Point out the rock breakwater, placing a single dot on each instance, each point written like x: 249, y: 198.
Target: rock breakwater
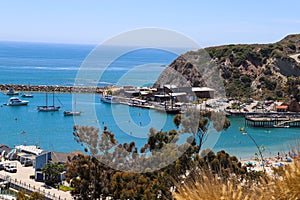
x: 55, y: 88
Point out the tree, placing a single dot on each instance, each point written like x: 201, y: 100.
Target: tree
x: 161, y: 159
x: 86, y: 171
x: 89, y: 136
x: 36, y: 196
x: 52, y: 173
x: 89, y: 177
x: 21, y: 195
x: 198, y: 126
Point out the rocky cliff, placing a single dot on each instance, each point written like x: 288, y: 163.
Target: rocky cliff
x: 268, y: 71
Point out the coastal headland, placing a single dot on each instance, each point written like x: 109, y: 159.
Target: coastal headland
x: 55, y: 88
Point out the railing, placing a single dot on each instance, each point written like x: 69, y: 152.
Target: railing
x: 7, y: 195
x: 19, y: 185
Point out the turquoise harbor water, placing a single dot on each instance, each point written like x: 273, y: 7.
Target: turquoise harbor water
x: 57, y: 64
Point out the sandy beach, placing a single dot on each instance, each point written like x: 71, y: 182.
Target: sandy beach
x: 270, y: 163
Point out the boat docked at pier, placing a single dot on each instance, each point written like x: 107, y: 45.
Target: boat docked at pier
x: 15, y: 101
x: 107, y: 99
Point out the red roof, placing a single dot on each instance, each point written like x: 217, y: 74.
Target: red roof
x: 282, y: 107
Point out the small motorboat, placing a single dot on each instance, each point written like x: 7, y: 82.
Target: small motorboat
x: 27, y: 95
x: 72, y: 113
x: 15, y: 101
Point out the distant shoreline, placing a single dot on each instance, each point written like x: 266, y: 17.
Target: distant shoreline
x: 54, y: 88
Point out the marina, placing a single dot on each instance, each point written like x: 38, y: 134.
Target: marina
x: 129, y: 122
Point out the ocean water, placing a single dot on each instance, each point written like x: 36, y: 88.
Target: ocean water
x: 58, y: 64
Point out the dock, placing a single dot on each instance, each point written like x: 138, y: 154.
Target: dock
x: 134, y: 102
x: 269, y: 121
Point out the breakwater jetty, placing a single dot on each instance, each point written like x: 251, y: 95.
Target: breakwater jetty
x: 55, y: 88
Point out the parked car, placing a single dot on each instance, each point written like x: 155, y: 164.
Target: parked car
x: 10, y: 168
x: 28, y: 163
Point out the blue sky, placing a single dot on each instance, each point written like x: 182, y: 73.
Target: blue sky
x: 209, y: 23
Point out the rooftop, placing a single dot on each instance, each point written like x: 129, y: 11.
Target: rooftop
x: 30, y: 149
x: 202, y: 89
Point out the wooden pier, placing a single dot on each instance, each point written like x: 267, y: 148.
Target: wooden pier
x: 273, y: 121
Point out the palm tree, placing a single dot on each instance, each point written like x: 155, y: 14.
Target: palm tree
x: 52, y: 172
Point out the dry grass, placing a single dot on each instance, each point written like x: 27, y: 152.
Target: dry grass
x: 209, y: 187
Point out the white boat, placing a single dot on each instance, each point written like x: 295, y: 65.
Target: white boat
x: 15, y: 101
x: 73, y: 112
x: 48, y: 108
x: 27, y: 95
x: 11, y: 92
x: 107, y: 99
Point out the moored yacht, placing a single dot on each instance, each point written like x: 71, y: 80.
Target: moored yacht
x: 107, y: 99
x: 15, y: 101
x: 48, y: 108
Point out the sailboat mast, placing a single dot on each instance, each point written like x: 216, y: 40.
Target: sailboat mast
x: 46, y: 99
x: 74, y: 103
x: 53, y: 99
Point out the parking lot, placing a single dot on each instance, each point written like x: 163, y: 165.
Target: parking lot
x: 22, y: 178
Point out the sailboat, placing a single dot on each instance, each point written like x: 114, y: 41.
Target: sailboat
x: 73, y: 112
x: 48, y: 108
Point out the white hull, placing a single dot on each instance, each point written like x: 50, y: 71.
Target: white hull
x: 27, y: 95
x: 48, y: 108
x: 72, y: 113
x: 107, y: 99
x: 18, y: 104
x: 15, y: 101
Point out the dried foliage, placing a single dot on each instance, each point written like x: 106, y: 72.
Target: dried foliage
x: 211, y: 187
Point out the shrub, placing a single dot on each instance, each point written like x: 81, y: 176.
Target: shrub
x: 266, y: 52
x: 270, y: 85
x: 291, y: 46
x: 279, y: 93
x: 267, y: 71
x: 246, y: 79
x: 261, y: 79
x: 226, y: 74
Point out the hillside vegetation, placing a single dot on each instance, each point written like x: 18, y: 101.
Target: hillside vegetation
x: 261, y: 71
x: 285, y: 184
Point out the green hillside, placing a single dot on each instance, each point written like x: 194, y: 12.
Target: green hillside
x: 260, y: 71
